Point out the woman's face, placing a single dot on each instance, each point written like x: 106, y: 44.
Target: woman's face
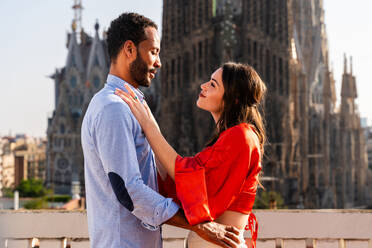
x: 210, y: 97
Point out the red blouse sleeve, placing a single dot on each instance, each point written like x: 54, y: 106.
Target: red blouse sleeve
x: 167, y: 188
x: 208, y: 183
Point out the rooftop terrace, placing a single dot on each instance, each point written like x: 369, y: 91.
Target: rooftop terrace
x: 277, y: 229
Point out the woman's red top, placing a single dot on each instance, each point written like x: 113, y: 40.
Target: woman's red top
x: 222, y: 177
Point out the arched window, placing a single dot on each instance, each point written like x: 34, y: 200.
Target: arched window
x: 73, y: 81
x: 57, y: 177
x: 96, y: 81
x: 62, y: 128
x: 67, y: 178
x: 62, y: 164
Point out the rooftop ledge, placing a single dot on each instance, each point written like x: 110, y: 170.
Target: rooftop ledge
x: 289, y: 228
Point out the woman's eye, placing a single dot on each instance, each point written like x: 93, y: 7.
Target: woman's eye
x: 212, y: 84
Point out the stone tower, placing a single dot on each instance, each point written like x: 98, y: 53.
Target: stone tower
x: 83, y: 75
x: 351, y: 178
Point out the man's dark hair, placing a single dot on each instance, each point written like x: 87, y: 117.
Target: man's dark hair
x: 128, y: 26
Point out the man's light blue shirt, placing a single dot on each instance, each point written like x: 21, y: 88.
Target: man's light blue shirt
x: 123, y: 207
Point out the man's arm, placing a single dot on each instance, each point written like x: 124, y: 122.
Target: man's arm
x: 224, y: 236
x: 114, y: 139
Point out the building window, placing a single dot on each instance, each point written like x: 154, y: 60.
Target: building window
x: 96, y: 81
x: 267, y: 21
x: 200, y: 50
x: 200, y: 13
x: 274, y: 73
x: 173, y: 67
x: 67, y: 178
x: 73, y: 61
x: 207, y: 12
x: 58, y: 177
x: 255, y: 51
x: 268, y: 66
x: 73, y: 81
x: 62, y: 163
x: 179, y: 72
x: 200, y: 70
x: 186, y: 69
x: 248, y: 49
x: 281, y: 86
x: 62, y: 129
x: 206, y: 55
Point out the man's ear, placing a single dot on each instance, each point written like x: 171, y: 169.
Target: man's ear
x: 129, y: 49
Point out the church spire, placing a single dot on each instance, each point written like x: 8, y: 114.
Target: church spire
x: 345, y: 64
x: 351, y: 65
x: 76, y: 22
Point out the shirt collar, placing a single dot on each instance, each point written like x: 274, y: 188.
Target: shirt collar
x: 117, y: 82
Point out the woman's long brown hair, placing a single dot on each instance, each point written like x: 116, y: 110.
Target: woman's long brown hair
x: 244, y: 91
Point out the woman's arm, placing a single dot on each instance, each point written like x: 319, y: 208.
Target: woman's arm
x: 163, y: 151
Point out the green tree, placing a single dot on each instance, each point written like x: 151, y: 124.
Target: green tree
x: 267, y: 198
x: 37, y: 203
x: 31, y: 188
x: 8, y: 192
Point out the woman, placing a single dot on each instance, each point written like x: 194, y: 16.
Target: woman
x: 219, y: 183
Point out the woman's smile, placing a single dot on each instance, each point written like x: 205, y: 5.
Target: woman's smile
x: 201, y: 95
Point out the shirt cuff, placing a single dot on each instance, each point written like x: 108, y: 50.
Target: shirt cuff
x: 162, y: 214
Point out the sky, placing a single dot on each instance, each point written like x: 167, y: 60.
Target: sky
x: 33, y: 44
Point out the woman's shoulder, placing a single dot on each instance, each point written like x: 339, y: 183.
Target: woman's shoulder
x: 242, y: 130
x: 242, y: 133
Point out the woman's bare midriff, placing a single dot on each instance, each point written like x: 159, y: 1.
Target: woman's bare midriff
x: 233, y: 218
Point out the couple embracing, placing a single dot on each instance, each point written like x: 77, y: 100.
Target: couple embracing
x: 135, y: 181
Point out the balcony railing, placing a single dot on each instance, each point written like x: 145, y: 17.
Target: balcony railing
x: 277, y: 229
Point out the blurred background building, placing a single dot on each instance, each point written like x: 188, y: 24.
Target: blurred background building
x: 21, y: 158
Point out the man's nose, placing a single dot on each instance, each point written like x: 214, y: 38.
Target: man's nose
x: 157, y: 63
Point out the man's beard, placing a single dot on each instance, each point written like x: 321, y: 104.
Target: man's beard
x: 139, y: 71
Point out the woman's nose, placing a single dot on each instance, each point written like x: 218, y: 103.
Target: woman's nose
x: 202, y: 86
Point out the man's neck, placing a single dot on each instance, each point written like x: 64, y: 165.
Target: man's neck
x: 123, y: 74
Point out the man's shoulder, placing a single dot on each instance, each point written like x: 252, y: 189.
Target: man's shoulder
x: 106, y: 101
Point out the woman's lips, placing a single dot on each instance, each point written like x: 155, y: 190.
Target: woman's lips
x: 201, y: 95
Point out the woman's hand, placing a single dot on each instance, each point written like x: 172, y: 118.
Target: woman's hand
x: 140, y: 110
x: 163, y: 151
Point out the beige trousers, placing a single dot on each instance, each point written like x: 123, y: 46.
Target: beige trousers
x: 194, y: 241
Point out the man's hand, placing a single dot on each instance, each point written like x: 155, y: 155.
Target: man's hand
x: 224, y: 236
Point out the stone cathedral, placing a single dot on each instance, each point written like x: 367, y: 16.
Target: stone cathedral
x: 316, y: 154
x: 84, y: 74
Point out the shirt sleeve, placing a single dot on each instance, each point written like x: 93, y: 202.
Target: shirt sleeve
x: 208, y: 183
x: 114, y: 138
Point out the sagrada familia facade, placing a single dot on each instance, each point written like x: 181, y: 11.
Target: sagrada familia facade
x: 315, y: 155
x: 84, y: 74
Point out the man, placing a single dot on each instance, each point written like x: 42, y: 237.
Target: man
x: 123, y: 206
